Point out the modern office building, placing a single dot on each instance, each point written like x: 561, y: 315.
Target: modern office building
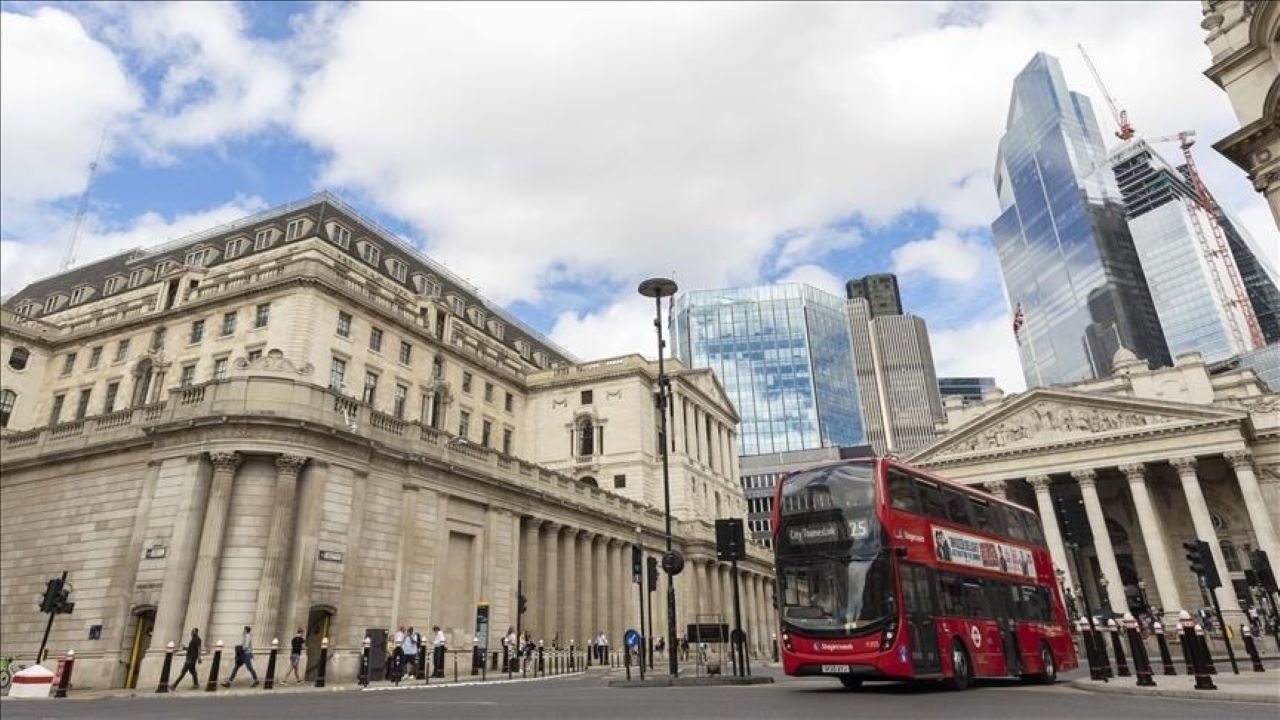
x: 1070, y: 269
x: 897, y: 383
x: 783, y: 354
x: 969, y: 388
x: 297, y: 420
x: 880, y: 290
x: 1196, y: 299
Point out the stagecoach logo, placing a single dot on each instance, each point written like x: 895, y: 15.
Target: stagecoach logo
x: 909, y: 536
x: 827, y: 532
x: 976, y: 636
x: 833, y: 647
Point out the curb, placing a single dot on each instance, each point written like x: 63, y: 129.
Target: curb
x: 1177, y: 693
x: 692, y: 682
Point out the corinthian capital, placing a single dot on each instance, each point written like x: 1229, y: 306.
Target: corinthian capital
x: 289, y: 464
x: 1239, y: 459
x: 1087, y: 478
x: 1135, y: 472
x: 1184, y: 465
x: 225, y: 461
x: 1040, y: 483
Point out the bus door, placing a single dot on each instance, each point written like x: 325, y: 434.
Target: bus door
x: 1006, y: 611
x: 921, y: 606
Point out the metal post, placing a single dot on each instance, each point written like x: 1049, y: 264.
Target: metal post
x: 212, y: 685
x: 1103, y: 664
x: 166, y: 668
x: 269, y: 682
x: 1122, y: 665
x: 362, y: 677
x: 1141, y: 661
x: 1166, y: 659
x: 324, y: 662
x: 64, y: 680
x: 1200, y: 654
x: 1251, y: 647
x: 49, y: 625
x: 1226, y: 636
x: 738, y: 648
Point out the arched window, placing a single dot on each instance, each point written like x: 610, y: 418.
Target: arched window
x: 18, y: 358
x: 588, y: 480
x: 7, y: 400
x: 586, y: 438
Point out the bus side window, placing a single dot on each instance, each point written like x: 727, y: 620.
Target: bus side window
x: 975, y: 598
x: 1035, y: 529
x: 902, y: 493
x: 931, y: 500
x: 957, y: 507
x: 950, y: 596
x: 1013, y: 522
x: 981, y: 513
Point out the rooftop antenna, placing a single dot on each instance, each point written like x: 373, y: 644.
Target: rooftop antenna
x: 70, y: 257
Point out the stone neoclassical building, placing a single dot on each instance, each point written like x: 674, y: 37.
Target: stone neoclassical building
x: 1157, y: 456
x: 297, y: 420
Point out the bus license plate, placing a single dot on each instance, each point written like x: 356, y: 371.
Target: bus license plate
x: 839, y: 669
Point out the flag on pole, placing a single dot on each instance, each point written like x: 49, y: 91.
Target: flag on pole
x: 1017, y: 321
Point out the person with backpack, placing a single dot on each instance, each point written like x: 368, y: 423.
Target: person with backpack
x: 189, y: 665
x: 244, y: 659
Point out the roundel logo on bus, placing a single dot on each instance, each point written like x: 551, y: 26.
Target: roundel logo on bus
x: 976, y: 636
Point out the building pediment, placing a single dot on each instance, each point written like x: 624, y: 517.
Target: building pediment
x: 1044, y: 417
x: 708, y: 384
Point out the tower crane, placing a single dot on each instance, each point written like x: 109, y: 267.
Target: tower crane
x: 1121, y: 116
x: 70, y: 257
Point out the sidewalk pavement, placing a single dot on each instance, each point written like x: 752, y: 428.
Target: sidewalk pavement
x: 1248, y: 686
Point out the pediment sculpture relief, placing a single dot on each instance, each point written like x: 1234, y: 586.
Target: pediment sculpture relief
x: 1046, y: 422
x: 1257, y: 404
x: 273, y: 363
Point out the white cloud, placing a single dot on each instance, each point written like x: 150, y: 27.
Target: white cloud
x: 59, y: 90
x: 39, y: 241
x: 816, y: 276
x: 622, y: 327
x: 945, y: 256
x: 981, y: 348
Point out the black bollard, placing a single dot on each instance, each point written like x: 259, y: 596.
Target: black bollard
x: 1202, y: 639
x: 1166, y: 659
x: 1200, y: 655
x: 455, y: 666
x: 1122, y: 665
x: 626, y: 660
x: 1090, y: 653
x: 165, y: 669
x: 269, y: 682
x: 1251, y: 647
x: 1186, y: 637
x: 1138, y: 649
x: 506, y: 660
x: 64, y: 680
x: 1100, y: 647
x: 212, y: 685
x: 542, y: 668
x: 324, y: 662
x: 362, y: 677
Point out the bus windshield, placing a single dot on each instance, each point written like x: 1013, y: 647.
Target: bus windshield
x: 835, y: 578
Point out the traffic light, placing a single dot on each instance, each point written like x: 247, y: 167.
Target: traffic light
x: 1262, y: 568
x: 653, y: 573
x: 522, y: 603
x: 1202, y: 565
x: 637, y: 564
x: 53, y: 596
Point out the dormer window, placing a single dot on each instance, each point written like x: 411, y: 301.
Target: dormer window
x: 369, y: 252
x: 398, y: 269
x: 340, y: 236
x: 264, y: 239
x: 112, y: 285
x: 198, y: 258
x: 523, y: 348
x: 457, y: 304
x: 294, y: 229
x: 497, y: 328
x: 164, y: 266
x: 26, y: 309
x: 80, y: 294
x: 51, y: 303
x: 476, y: 316
x: 539, y: 358
x: 137, y: 277
x: 426, y: 285
x: 236, y: 247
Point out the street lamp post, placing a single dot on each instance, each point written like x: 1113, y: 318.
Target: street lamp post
x: 658, y: 288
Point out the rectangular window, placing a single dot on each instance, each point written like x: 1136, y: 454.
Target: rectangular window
x: 158, y: 337
x: 441, y: 319
x: 219, y: 368
x: 464, y: 423
x: 466, y: 382
x: 586, y: 397
x: 77, y: 295
x: 109, y: 402
x: 95, y: 357
x: 68, y: 363
x: 122, y: 351
x: 486, y: 431
x: 402, y: 394
x: 341, y: 237
x: 82, y: 404
x: 619, y: 482
x: 375, y: 339
x: 509, y: 403
x: 261, y: 315
x: 337, y: 373
x: 344, y: 324
x: 902, y: 493
x: 228, y: 323
x: 293, y: 230
x: 370, y: 387
x: 113, y: 284
x: 56, y: 411
x: 488, y: 392
x: 235, y: 247
x: 137, y: 277
x: 188, y: 377
x: 931, y: 499
x: 197, y: 331
x: 262, y: 239
x: 506, y: 441
x: 255, y: 354
x: 196, y: 258
x: 406, y: 352
x: 399, y: 270
x: 957, y: 506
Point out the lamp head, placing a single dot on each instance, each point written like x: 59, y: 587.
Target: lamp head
x: 658, y: 287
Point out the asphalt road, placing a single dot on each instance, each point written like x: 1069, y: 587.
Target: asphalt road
x: 589, y: 697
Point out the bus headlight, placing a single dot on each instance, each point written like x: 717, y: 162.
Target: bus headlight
x: 786, y: 641
x: 890, y: 632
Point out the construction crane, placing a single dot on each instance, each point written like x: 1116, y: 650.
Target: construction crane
x: 70, y: 257
x: 1218, y: 249
x: 1121, y: 116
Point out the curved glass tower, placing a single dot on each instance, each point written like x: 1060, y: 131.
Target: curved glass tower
x: 1065, y: 251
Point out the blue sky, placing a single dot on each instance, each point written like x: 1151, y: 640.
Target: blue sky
x: 557, y: 154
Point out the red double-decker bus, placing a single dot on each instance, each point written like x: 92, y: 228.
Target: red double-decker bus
x: 886, y: 572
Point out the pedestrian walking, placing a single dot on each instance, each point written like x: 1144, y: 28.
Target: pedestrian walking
x: 409, y: 649
x: 192, y: 659
x: 244, y: 659
x: 511, y: 643
x: 659, y: 647
x: 395, y: 669
x: 438, y: 643
x: 295, y: 655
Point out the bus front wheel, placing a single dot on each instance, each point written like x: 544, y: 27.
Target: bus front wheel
x: 850, y: 682
x: 961, y: 671
x: 1050, y: 674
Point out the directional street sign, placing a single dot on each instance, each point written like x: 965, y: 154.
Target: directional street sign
x: 631, y: 638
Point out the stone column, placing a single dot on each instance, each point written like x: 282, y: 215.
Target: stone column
x: 1049, y: 521
x: 200, y: 602
x: 551, y: 581
x: 1153, y: 538
x: 586, y: 591
x: 600, y: 579
x: 1256, y: 505
x: 1088, y: 480
x: 1203, y: 522
x: 183, y: 546
x: 999, y: 488
x: 569, y: 606
x: 620, y: 586
x: 279, y: 544
x: 532, y: 583
x: 749, y: 611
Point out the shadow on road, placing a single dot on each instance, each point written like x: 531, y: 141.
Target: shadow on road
x: 900, y: 688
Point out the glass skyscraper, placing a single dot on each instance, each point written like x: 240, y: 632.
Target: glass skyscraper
x: 784, y: 356
x: 1068, y: 261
